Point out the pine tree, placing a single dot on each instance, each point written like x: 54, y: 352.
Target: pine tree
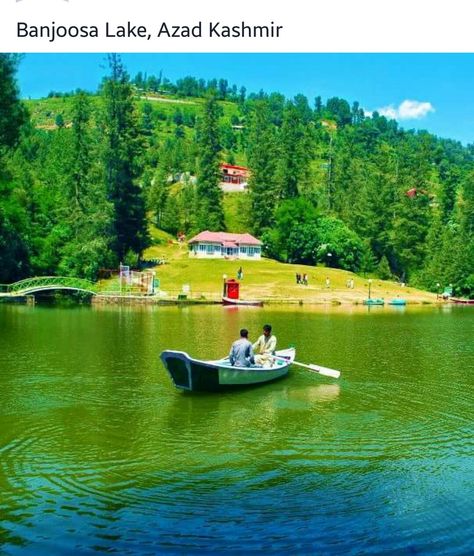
x: 13, y: 113
x: 295, y: 153
x: 408, y: 236
x: 187, y: 202
x: 121, y: 157
x: 262, y: 156
x: 463, y: 271
x: 88, y: 214
x: 81, y: 147
x: 160, y: 184
x: 383, y: 269
x: 13, y: 218
x: 210, y: 214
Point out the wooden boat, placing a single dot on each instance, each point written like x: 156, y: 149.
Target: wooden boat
x: 374, y: 301
x: 462, y: 301
x: 210, y: 376
x: 242, y: 302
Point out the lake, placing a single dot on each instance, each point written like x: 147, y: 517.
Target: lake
x: 100, y: 453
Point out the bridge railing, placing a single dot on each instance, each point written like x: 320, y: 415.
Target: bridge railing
x: 49, y: 282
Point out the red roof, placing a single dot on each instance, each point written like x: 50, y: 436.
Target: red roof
x: 225, y: 165
x: 413, y: 192
x: 224, y: 238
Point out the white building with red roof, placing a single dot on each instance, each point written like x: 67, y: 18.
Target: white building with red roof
x: 223, y: 245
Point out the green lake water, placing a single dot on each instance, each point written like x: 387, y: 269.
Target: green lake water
x: 100, y: 453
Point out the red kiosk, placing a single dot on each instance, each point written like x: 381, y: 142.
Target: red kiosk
x: 231, y: 294
x: 231, y: 289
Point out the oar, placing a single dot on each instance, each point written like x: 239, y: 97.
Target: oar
x: 314, y: 368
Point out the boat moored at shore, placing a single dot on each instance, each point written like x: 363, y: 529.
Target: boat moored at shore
x: 398, y: 301
x: 462, y: 301
x: 241, y: 302
x: 373, y: 301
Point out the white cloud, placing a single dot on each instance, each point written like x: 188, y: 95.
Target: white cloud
x: 407, y: 110
x: 389, y: 112
x: 414, y: 110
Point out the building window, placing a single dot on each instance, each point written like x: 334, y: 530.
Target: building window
x: 253, y: 251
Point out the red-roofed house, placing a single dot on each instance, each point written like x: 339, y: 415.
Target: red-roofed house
x: 234, y: 178
x: 234, y: 174
x: 413, y: 192
x: 222, y: 245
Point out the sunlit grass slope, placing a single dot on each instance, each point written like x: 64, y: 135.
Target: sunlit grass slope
x: 266, y: 279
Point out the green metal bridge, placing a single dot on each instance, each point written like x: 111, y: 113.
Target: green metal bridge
x: 30, y: 286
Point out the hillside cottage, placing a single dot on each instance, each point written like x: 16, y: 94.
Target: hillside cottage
x: 234, y: 174
x: 222, y: 245
x: 233, y: 178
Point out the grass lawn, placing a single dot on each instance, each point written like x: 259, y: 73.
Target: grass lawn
x: 266, y: 279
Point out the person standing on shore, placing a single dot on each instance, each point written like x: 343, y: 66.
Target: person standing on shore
x: 241, y: 352
x: 265, y: 347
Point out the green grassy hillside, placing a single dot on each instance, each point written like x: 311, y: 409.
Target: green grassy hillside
x: 44, y: 111
x: 266, y: 279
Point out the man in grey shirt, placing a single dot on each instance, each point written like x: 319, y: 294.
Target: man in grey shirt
x: 241, y: 352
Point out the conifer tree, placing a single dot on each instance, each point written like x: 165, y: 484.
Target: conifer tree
x: 463, y: 271
x: 383, y: 269
x: 13, y: 113
x: 295, y: 152
x: 121, y: 156
x: 262, y: 156
x: 408, y: 234
x: 13, y: 218
x: 88, y: 214
x: 210, y: 214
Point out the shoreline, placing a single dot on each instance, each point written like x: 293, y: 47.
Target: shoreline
x: 320, y: 300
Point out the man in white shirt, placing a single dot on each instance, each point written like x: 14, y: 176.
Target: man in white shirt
x: 264, y: 347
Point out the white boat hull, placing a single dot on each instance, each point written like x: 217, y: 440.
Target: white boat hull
x: 208, y: 376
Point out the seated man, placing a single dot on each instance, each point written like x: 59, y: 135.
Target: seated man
x: 241, y: 353
x: 265, y: 347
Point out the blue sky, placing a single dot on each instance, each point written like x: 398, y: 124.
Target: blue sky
x: 422, y: 91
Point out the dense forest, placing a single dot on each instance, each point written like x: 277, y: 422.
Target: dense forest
x: 84, y: 175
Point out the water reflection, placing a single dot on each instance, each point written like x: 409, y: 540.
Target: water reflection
x: 99, y: 452
x: 320, y: 394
